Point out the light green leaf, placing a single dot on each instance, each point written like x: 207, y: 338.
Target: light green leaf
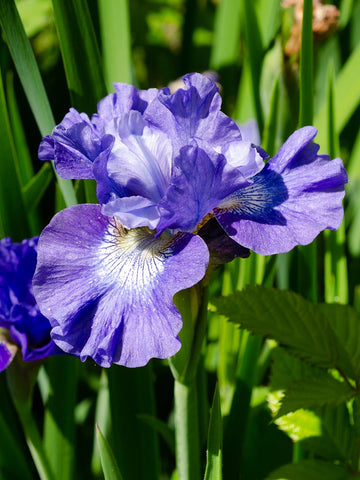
x: 115, y: 41
x: 226, y: 34
x: 347, y: 97
x: 289, y: 319
x: 313, y: 391
x: 108, y: 462
x: 214, y: 447
x: 311, y: 470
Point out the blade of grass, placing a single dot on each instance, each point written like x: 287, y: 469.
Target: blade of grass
x: 12, y: 209
x: 80, y: 53
x: 347, y: 97
x: 31, y: 81
x: 24, y: 166
x: 115, y: 41
x: 214, y: 447
x: 307, y: 256
x: 255, y: 56
x: 226, y: 34
x: 335, y: 262
x: 132, y: 439
x: 108, y: 462
x: 306, y: 67
x: 34, y: 190
x: 59, y: 422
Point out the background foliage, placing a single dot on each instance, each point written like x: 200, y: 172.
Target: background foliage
x: 286, y: 402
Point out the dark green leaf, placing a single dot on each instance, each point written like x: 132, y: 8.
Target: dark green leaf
x: 12, y: 209
x: 31, y: 81
x: 82, y: 64
x: 311, y: 470
x: 214, y: 447
x: 306, y: 66
x: 345, y: 321
x: 289, y: 319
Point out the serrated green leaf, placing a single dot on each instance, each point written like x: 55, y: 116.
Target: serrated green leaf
x: 214, y: 447
x: 291, y: 320
x: 297, y: 425
x: 286, y: 369
x: 110, y: 468
x: 313, y: 391
x: 336, y: 428
x: 345, y: 321
x: 311, y: 470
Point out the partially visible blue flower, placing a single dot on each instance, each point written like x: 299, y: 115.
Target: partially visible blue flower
x: 176, y: 183
x: 21, y: 323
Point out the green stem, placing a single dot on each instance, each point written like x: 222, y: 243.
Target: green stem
x: 192, y: 304
x: 187, y: 431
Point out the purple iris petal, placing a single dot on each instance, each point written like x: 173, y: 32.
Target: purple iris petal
x: 296, y: 196
x: 192, y: 112
x: 19, y: 314
x: 201, y: 183
x: 108, y: 291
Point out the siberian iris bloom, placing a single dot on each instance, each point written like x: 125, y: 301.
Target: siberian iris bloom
x: 177, y: 187
x: 22, y: 326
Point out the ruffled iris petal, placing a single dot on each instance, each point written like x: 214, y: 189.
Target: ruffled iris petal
x: 192, y: 112
x: 201, y: 183
x: 108, y: 291
x: 296, y: 196
x: 141, y: 159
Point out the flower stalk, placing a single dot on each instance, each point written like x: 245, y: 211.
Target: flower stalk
x: 192, y: 304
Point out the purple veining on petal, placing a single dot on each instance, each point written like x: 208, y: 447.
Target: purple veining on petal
x: 108, y: 291
x: 296, y: 196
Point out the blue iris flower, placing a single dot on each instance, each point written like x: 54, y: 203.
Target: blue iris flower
x: 22, y: 326
x: 178, y: 189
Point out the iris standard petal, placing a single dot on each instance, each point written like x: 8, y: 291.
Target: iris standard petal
x: 140, y: 161
x: 297, y: 195
x: 192, y: 112
x: 108, y: 291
